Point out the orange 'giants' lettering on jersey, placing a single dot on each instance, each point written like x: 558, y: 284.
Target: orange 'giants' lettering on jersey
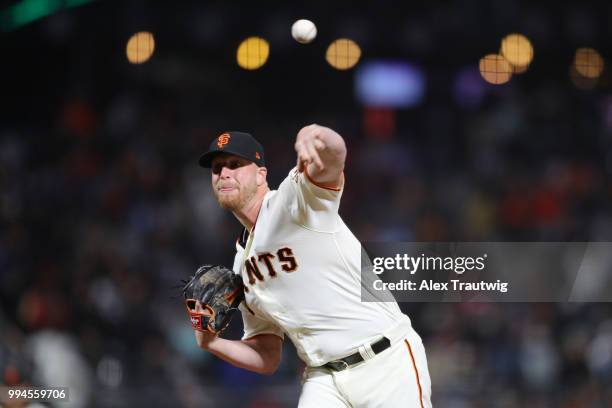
x: 285, y: 255
x: 267, y: 259
x: 286, y: 260
x: 253, y: 270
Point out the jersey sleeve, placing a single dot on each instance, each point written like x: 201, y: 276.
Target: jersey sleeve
x: 309, y: 204
x: 254, y: 325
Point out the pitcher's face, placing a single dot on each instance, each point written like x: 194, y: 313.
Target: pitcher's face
x: 234, y: 180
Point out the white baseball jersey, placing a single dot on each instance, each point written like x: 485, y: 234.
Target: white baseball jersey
x: 302, y: 275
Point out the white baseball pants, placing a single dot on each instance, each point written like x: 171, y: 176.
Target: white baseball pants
x: 396, y: 377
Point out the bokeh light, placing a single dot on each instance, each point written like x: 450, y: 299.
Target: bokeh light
x: 588, y: 63
x: 140, y: 47
x: 343, y: 54
x: 495, y: 69
x: 580, y: 81
x: 390, y: 84
x: 519, y: 69
x: 253, y: 53
x: 518, y: 51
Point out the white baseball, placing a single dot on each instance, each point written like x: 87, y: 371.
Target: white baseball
x: 304, y: 31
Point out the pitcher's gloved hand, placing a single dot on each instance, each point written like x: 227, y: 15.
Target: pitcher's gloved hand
x: 219, y: 291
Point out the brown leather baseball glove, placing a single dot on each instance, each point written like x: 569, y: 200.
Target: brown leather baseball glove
x: 219, y: 291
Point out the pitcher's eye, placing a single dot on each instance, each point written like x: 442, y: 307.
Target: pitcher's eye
x: 216, y: 168
x: 234, y: 164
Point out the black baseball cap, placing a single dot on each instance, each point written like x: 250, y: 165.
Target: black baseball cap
x: 238, y: 143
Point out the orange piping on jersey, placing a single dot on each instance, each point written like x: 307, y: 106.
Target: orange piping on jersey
x: 416, y: 372
x: 321, y: 185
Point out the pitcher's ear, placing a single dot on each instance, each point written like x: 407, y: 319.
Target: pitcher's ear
x: 262, y: 175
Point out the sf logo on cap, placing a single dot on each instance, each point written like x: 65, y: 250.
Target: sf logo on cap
x: 223, y: 140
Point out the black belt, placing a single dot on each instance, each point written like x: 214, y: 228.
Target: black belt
x: 346, y: 362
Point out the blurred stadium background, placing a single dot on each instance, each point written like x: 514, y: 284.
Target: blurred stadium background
x: 453, y: 134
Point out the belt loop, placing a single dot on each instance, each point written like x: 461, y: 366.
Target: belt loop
x: 366, y: 351
x: 363, y: 352
x: 368, y: 348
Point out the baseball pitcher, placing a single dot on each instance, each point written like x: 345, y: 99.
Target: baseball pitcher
x: 299, y: 266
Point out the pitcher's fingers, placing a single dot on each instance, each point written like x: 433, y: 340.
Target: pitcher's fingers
x: 319, y: 144
x: 304, y: 157
x: 301, y: 164
x: 314, y: 154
